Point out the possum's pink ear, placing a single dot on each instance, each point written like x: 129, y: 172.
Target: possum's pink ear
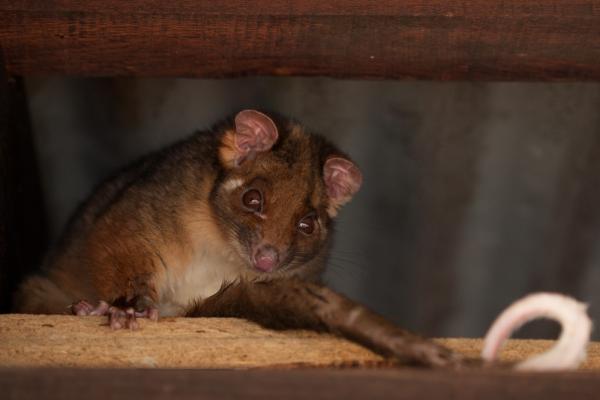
x: 254, y: 133
x: 342, y: 180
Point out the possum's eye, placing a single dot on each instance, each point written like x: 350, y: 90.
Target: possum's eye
x: 307, y: 224
x: 252, y: 200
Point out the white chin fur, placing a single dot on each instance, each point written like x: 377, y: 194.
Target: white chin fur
x: 570, y: 348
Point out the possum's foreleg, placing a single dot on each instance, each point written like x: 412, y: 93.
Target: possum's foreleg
x: 296, y: 304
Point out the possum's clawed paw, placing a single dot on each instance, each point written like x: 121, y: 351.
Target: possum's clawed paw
x: 444, y: 358
x: 433, y: 355
x: 83, y: 308
x: 119, y: 318
x: 122, y: 318
x: 151, y: 313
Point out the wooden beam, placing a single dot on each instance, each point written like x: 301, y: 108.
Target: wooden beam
x: 94, y: 384
x: 417, y: 39
x: 215, y: 343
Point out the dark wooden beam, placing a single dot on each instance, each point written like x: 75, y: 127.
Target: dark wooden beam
x: 94, y: 384
x: 22, y: 222
x: 417, y: 39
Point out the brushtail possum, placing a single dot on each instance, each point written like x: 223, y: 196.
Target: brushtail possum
x: 236, y: 221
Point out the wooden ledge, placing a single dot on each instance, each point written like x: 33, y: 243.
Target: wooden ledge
x: 209, y: 343
x: 43, y: 340
x: 264, y: 384
x: 162, y: 361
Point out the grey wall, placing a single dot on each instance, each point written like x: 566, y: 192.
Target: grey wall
x: 474, y: 194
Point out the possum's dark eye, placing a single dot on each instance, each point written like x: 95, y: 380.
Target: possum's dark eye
x: 307, y: 224
x: 252, y: 200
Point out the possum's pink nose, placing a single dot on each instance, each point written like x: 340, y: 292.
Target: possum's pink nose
x: 266, y: 258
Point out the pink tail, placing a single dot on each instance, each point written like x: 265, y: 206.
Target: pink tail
x: 570, y: 349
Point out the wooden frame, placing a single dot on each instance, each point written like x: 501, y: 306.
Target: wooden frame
x: 541, y: 40
x: 417, y: 39
x: 293, y: 384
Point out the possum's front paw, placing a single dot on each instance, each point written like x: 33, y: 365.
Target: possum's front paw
x: 119, y: 316
x: 83, y: 308
x: 122, y: 318
x: 433, y: 355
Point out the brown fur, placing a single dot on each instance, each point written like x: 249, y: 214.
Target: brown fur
x: 142, y: 227
x: 298, y: 304
x: 172, y: 233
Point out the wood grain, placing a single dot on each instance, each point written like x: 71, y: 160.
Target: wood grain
x: 293, y: 384
x: 476, y: 39
x: 211, y: 343
x: 67, y: 341
x: 263, y: 364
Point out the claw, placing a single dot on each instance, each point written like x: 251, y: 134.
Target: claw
x: 81, y: 308
x: 101, y: 309
x: 151, y: 313
x: 130, y: 321
x: 118, y: 317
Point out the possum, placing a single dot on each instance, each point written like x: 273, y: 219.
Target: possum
x: 235, y: 221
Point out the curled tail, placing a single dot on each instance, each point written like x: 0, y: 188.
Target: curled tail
x: 570, y: 348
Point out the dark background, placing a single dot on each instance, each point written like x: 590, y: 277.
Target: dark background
x: 474, y: 193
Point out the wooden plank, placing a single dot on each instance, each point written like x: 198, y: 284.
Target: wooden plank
x: 187, y: 343
x: 22, y: 227
x: 422, y: 39
x: 318, y: 7
x: 293, y: 384
x: 208, y: 343
x: 215, y: 343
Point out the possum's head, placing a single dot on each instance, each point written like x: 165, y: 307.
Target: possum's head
x: 279, y: 193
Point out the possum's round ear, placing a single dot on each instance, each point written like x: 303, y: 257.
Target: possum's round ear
x: 342, y: 180
x: 254, y: 133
